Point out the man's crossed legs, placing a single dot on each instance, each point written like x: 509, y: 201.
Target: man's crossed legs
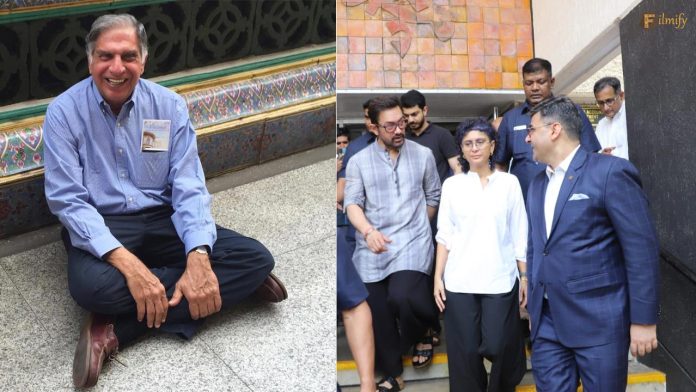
x: 242, y: 266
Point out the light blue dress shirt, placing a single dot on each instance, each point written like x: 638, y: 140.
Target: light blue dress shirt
x: 95, y: 165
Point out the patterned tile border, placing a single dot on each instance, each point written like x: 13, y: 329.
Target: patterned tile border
x: 235, y: 100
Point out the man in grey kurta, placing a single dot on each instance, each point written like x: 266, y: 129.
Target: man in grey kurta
x: 392, y: 191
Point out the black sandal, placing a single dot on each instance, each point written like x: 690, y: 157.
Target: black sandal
x: 427, y: 353
x: 392, y: 381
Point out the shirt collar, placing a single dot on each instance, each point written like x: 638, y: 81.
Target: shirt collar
x: 621, y: 111
x: 563, y: 166
x: 491, y: 178
x: 526, y: 107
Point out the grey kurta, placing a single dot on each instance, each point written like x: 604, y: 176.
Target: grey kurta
x: 394, y: 196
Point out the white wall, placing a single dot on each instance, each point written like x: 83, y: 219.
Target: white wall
x: 577, y: 36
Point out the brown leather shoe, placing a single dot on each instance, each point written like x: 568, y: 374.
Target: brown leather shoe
x: 272, y: 290
x: 96, y: 343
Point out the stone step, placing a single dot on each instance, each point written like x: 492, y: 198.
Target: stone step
x: 434, y: 378
x: 640, y: 378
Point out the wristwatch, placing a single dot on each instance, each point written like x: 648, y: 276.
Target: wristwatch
x: 201, y: 250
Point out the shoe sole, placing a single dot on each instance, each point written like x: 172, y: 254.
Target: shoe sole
x: 81, y: 375
x: 281, y: 285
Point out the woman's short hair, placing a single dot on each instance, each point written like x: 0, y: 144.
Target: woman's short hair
x: 464, y: 127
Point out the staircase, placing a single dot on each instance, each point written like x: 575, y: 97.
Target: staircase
x: 434, y: 378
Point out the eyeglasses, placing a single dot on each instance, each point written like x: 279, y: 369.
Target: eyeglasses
x: 609, y: 101
x: 532, y: 129
x: 478, y: 143
x: 391, y: 126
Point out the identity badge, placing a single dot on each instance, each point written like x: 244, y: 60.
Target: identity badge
x: 155, y: 135
x: 520, y: 128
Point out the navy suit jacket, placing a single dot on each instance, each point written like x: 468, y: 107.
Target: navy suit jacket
x: 599, y: 266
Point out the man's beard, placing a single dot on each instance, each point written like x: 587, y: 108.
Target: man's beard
x: 415, y: 126
x: 392, y: 145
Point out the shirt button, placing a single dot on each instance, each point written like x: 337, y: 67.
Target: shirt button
x: 130, y: 199
x: 120, y: 151
x: 118, y: 124
x: 123, y: 175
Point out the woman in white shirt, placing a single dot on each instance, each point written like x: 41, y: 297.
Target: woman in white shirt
x: 481, y: 252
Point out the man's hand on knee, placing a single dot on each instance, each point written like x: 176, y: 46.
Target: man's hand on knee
x: 200, y: 287
x: 147, y: 290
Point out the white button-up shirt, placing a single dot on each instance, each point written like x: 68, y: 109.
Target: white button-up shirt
x: 611, y: 132
x: 554, y: 188
x: 485, y: 232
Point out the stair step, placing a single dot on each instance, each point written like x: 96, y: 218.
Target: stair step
x: 434, y: 378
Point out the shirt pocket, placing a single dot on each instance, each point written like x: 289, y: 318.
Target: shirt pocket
x: 579, y: 210
x: 151, y: 169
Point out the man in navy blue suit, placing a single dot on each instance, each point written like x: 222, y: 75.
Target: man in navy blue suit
x: 592, y: 259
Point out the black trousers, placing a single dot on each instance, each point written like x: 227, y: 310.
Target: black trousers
x: 482, y: 326
x: 241, y: 264
x: 402, y: 308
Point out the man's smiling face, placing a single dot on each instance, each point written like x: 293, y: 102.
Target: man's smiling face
x: 116, y: 65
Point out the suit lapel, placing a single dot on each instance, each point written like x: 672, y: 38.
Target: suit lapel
x: 571, y: 178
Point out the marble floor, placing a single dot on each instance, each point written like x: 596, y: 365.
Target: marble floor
x: 290, y: 346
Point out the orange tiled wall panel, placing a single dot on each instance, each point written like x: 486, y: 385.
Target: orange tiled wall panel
x: 432, y: 43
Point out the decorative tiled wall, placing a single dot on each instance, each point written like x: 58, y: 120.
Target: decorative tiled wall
x: 432, y: 43
x: 23, y: 207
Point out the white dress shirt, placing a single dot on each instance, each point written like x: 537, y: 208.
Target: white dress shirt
x: 485, y: 232
x: 554, y: 188
x: 611, y: 132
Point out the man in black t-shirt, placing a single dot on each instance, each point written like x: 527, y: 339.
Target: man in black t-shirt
x: 437, y: 139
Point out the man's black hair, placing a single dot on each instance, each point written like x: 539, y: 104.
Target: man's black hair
x: 413, y: 98
x: 536, y: 65
x: 607, y: 81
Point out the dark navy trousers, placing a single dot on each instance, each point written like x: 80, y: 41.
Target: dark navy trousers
x: 557, y: 367
x: 240, y: 263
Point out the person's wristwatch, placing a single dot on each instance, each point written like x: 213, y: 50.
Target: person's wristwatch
x: 201, y: 250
